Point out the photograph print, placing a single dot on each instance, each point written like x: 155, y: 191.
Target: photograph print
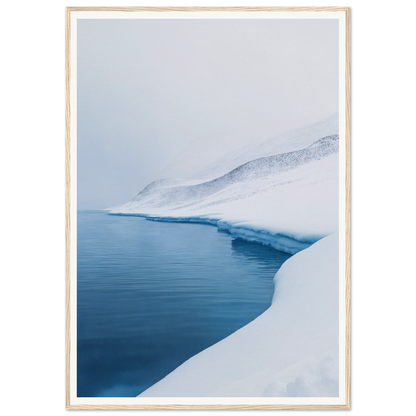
x: 207, y: 208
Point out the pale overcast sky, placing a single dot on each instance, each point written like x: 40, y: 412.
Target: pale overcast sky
x: 148, y: 88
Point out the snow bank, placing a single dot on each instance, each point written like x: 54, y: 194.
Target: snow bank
x: 290, y: 350
x: 278, y: 241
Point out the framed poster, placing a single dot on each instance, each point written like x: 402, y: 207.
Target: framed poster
x: 207, y: 157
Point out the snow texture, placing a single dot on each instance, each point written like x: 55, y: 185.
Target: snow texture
x: 282, y: 193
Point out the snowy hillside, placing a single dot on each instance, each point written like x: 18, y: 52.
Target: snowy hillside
x: 166, y: 193
x: 292, y: 198
x: 203, y: 163
x: 288, y: 200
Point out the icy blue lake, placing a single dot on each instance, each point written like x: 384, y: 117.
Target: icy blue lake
x: 152, y: 294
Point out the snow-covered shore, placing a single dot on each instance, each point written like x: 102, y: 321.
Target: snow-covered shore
x: 281, y: 242
x: 288, y: 201
x: 291, y: 350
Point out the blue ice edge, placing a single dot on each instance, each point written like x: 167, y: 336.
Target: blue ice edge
x: 278, y: 241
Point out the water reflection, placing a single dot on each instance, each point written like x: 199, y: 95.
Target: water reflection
x: 264, y: 256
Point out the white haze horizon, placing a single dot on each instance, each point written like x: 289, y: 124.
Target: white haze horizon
x: 150, y: 90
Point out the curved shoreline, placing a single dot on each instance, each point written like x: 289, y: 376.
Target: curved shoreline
x: 279, y: 241
x: 291, y: 349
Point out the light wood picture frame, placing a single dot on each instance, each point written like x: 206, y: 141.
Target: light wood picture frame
x: 345, y: 403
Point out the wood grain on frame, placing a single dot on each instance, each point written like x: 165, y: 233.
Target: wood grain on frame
x: 207, y: 9
x: 68, y: 206
x: 347, y: 210
x: 347, y: 404
x: 208, y: 407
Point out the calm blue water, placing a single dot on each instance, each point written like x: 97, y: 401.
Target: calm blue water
x: 151, y: 295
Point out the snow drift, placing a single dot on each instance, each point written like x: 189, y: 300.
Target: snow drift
x: 291, y: 350
x: 288, y: 200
